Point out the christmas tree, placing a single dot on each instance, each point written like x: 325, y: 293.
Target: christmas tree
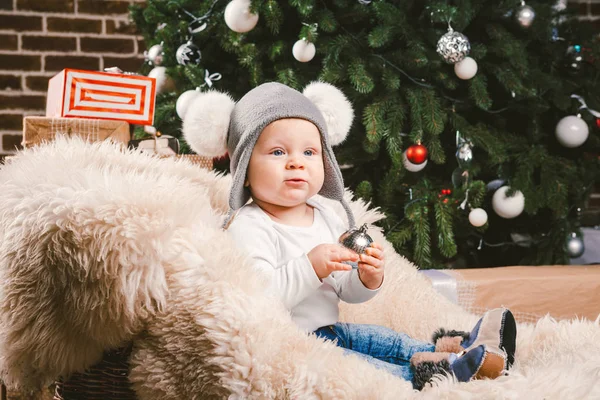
x: 475, y: 129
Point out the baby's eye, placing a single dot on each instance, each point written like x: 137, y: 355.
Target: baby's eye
x: 278, y: 152
x: 309, y: 152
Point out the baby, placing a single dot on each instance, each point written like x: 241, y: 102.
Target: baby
x: 280, y: 143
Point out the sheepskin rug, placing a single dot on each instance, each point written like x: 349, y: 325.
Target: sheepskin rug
x: 101, y: 246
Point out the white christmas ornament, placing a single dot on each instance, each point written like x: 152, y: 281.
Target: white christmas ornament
x: 164, y: 83
x: 465, y: 69
x: 155, y: 54
x: 508, y: 207
x: 238, y: 16
x: 410, y: 166
x: 184, y: 100
x: 303, y: 50
x: 572, y: 131
x: 478, y: 217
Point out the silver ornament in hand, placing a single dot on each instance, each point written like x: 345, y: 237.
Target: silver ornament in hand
x: 356, y: 239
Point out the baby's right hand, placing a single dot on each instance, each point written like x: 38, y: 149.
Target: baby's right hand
x: 326, y: 258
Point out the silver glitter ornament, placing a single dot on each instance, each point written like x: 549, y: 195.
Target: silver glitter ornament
x: 453, y: 46
x: 525, y: 15
x: 356, y: 239
x: 188, y: 53
x: 575, y: 246
x: 155, y: 54
x: 464, y: 151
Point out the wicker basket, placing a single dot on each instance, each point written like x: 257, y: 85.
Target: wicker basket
x: 107, y: 380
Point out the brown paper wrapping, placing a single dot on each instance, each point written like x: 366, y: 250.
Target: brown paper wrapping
x: 39, y: 129
x: 563, y: 291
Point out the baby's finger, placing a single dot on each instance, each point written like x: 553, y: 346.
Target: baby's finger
x: 344, y: 254
x: 375, y: 262
x: 377, y: 245
x: 374, y: 252
x: 337, y: 266
x: 366, y: 268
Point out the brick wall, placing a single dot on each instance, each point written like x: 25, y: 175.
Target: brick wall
x: 588, y: 10
x: 38, y: 38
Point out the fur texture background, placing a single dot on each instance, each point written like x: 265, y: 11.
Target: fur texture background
x: 100, y: 246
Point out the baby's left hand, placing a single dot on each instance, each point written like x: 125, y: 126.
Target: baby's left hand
x: 370, y: 266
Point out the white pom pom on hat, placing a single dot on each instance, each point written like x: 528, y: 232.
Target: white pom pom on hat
x: 206, y: 120
x: 334, y: 106
x: 206, y: 123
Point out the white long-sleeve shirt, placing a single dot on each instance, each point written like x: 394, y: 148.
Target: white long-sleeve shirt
x: 281, y: 252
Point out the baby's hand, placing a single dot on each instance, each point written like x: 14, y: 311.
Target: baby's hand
x: 326, y: 258
x: 370, y: 267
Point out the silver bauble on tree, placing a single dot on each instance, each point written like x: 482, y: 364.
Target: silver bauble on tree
x: 155, y: 54
x: 525, y: 15
x: 574, y: 245
x: 188, y: 53
x: 464, y: 152
x: 453, y: 46
x: 356, y: 239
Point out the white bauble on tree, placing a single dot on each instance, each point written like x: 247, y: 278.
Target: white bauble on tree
x: 303, y: 50
x: 410, y: 166
x: 466, y: 68
x: 184, y: 100
x: 164, y: 83
x: 508, y: 206
x: 478, y: 217
x: 572, y: 131
x: 238, y: 16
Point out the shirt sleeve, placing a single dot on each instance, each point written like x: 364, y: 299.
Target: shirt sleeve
x: 292, y: 281
x: 351, y: 289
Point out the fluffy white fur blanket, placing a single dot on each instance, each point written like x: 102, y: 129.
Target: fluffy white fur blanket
x: 100, y: 246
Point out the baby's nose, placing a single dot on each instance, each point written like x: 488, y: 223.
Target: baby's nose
x: 295, y: 162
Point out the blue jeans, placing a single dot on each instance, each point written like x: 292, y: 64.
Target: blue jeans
x: 383, y: 347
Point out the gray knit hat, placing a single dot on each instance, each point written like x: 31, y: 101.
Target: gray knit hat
x: 320, y: 103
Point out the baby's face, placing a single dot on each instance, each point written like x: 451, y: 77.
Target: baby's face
x: 286, y: 166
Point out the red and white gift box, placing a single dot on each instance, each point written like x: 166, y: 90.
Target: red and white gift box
x: 102, y: 95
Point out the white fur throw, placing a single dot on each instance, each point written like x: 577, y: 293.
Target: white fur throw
x: 100, y: 246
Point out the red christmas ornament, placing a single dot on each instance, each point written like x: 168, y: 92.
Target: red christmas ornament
x: 416, y: 154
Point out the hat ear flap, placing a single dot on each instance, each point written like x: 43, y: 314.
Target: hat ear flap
x: 206, y: 123
x: 334, y: 106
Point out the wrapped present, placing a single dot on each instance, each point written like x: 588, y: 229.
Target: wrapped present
x: 40, y: 129
x: 102, y: 95
x: 161, y: 145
